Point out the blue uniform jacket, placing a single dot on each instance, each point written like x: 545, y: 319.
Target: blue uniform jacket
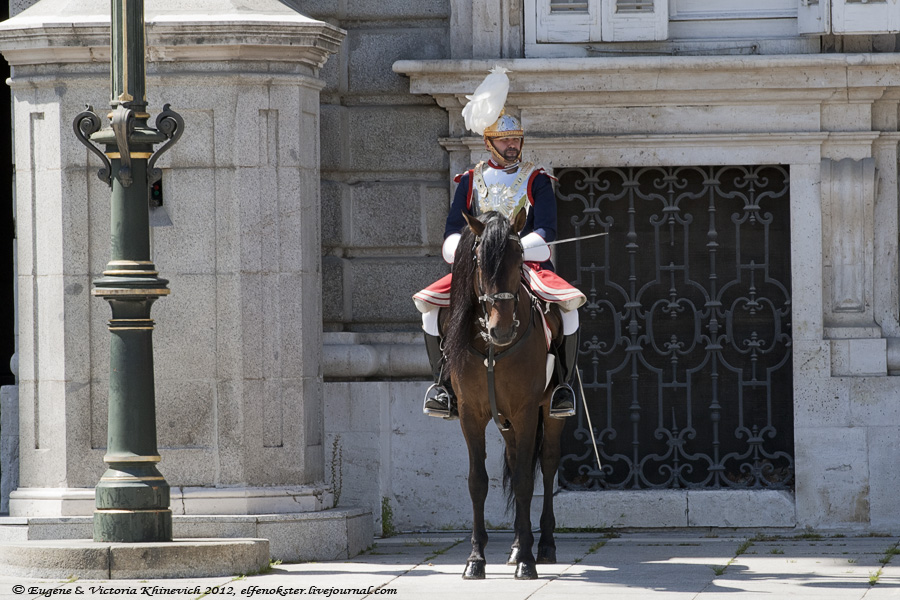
x: 541, y: 218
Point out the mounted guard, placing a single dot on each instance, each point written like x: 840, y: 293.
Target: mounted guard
x: 504, y: 184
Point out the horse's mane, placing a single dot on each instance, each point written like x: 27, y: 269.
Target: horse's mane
x: 463, y: 303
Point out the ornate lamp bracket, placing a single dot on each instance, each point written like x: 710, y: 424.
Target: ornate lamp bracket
x: 87, y: 123
x: 122, y: 124
x: 170, y: 124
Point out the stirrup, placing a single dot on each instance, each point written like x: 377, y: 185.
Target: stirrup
x: 564, y: 411
x: 439, y: 391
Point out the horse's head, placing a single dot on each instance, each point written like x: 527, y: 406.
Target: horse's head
x: 498, y: 255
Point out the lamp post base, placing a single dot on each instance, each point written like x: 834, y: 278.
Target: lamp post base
x: 132, y: 505
x: 133, y: 525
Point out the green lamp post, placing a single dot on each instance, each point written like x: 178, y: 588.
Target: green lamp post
x: 132, y: 497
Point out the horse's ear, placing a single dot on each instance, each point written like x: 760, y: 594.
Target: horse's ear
x: 518, y: 221
x: 475, y: 225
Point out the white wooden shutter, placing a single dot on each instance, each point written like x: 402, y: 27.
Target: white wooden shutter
x: 814, y: 16
x: 635, y: 20
x: 568, y: 20
x: 865, y: 16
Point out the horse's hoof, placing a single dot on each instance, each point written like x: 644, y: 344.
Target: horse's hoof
x: 526, y: 571
x: 474, y: 570
x: 513, y: 556
x: 546, y: 555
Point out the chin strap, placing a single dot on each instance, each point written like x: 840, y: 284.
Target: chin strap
x: 500, y: 160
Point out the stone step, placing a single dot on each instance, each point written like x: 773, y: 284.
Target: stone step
x: 322, y: 535
x: 85, y: 559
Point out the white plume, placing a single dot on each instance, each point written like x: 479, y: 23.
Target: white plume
x: 485, y: 105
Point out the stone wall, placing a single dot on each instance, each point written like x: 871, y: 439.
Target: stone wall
x: 385, y: 187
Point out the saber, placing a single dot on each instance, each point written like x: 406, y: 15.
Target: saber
x: 588, y: 415
x: 575, y: 239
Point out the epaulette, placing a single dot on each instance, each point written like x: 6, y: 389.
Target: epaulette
x: 458, y: 177
x: 540, y: 169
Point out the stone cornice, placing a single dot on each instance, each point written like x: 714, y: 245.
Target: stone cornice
x: 311, y: 42
x: 181, y: 38
x: 664, y: 79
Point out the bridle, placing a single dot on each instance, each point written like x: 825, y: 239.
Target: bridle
x: 490, y: 359
x: 485, y: 299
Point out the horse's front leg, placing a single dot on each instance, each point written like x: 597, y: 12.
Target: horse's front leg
x: 550, y: 456
x: 523, y: 490
x: 510, y: 454
x: 478, y: 489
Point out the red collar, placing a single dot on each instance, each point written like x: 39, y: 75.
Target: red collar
x: 510, y: 168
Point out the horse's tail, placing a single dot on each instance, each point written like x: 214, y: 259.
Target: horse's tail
x: 507, y: 472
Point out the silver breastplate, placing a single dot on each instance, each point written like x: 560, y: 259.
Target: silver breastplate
x: 506, y: 199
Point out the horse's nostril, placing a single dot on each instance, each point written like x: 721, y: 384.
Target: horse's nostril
x: 498, y: 337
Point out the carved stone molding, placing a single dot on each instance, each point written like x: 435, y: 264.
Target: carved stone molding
x: 56, y: 32
x: 848, y: 201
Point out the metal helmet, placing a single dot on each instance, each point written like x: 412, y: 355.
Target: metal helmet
x: 506, y: 126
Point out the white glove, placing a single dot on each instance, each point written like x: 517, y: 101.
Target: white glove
x: 449, y: 248
x: 536, y: 249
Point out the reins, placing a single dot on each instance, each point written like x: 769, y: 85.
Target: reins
x: 491, y: 357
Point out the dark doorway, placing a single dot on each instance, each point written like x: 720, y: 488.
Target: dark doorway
x: 7, y: 225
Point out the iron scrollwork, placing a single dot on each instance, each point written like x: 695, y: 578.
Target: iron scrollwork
x: 171, y: 125
x: 686, y: 343
x: 87, y: 123
x: 122, y: 124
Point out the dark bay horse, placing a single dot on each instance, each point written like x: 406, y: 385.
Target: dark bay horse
x: 493, y: 315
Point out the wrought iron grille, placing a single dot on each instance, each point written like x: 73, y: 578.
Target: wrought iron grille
x: 685, y: 351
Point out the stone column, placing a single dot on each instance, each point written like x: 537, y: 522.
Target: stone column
x: 237, y: 344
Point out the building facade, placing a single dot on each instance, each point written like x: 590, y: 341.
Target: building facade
x: 740, y: 342
x: 739, y: 345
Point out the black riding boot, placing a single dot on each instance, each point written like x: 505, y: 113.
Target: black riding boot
x: 562, y: 403
x: 440, y: 401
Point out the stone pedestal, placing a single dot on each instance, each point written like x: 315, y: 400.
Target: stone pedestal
x: 237, y: 344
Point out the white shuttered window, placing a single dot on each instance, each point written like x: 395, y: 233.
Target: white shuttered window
x: 635, y: 20
x: 860, y: 16
x: 813, y: 16
x: 592, y: 21
x: 601, y: 20
x: 848, y: 17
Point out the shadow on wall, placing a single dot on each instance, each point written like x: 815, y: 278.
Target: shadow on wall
x: 7, y: 228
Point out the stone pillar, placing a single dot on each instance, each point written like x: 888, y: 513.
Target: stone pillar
x: 238, y: 343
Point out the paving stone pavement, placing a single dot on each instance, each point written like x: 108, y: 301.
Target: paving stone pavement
x: 670, y: 565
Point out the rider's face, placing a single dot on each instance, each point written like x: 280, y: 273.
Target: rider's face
x: 509, y: 147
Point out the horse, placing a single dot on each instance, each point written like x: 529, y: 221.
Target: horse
x: 496, y: 353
